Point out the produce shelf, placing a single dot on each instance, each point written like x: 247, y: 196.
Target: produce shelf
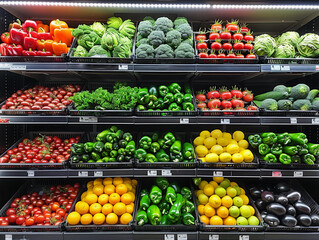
x: 165, y: 235
x: 32, y: 235
x: 165, y: 172
x: 43, y: 173
x: 242, y: 173
x: 83, y: 173
x: 231, y: 236
x: 98, y: 235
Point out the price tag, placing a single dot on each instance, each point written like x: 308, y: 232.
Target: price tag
x: 293, y: 120
x: 184, y: 120
x: 30, y: 173
x: 8, y: 237
x: 181, y: 236
x: 166, y: 173
x: 217, y: 174
x: 169, y: 237
x: 88, y: 119
x: 225, y: 121
x: 275, y: 67
x: 277, y: 174
x: 317, y: 67
x: 151, y: 173
x: 315, y: 121
x: 5, y: 66
x: 98, y: 174
x: 285, y: 68
x: 123, y: 67
x: 298, y: 173
x: 213, y: 237
x: 243, y: 237
x: 18, y: 67
x: 83, y: 173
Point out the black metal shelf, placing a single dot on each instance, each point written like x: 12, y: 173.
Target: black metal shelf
x: 42, y: 173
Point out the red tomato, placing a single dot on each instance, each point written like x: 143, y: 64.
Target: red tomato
x: 212, y: 94
x: 232, y: 26
x: 248, y: 37
x: 225, y: 94
x: 238, y: 36
x: 226, y: 104
x: 61, y: 211
x: 215, y: 103
x: 252, y: 56
x: 203, y: 55
x: 227, y: 46
x: 237, y: 103
x: 217, y: 26
x: 20, y: 220
x: 238, y: 46
x: 30, y: 221
x: 212, y: 55
x: 248, y: 46
x: 201, y: 105
x: 252, y: 108
x: 201, y: 97
x: 225, y: 35
x: 201, y: 46
x: 55, y: 206
x: 10, y: 211
x: 216, y: 46
x: 199, y: 37
x: 40, y: 219
x: 221, y: 55
x: 248, y: 96
x: 214, y: 36
x: 231, y: 55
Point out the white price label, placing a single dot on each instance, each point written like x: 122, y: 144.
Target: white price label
x: 151, y: 173
x: 184, y: 120
x: 285, y: 68
x: 298, y: 173
x: 315, y: 121
x: 275, y: 67
x: 18, y: 67
x: 217, y: 174
x: 123, y: 67
x: 169, y: 237
x: 181, y: 236
x: 293, y: 120
x: 166, y: 173
x: 213, y: 237
x: 317, y: 67
x: 83, y: 173
x: 276, y: 174
x: 30, y: 173
x: 8, y: 237
x: 88, y: 119
x: 243, y: 237
x: 225, y: 121
x: 5, y: 66
x: 98, y: 174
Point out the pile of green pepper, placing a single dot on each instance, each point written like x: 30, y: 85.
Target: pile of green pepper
x: 166, y: 204
x: 111, y: 145
x: 165, y: 98
x: 153, y: 148
x: 285, y: 147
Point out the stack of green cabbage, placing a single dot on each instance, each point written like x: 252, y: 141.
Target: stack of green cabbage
x: 288, y: 45
x: 164, y: 39
x: 115, y: 39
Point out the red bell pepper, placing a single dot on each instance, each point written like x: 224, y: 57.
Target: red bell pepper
x: 33, y: 34
x: 44, y: 53
x: 29, y: 52
x: 44, y: 35
x: 16, y: 24
x: 17, y: 36
x: 15, y: 50
x: 5, y: 37
x: 30, y: 42
x: 29, y: 26
x: 4, y: 49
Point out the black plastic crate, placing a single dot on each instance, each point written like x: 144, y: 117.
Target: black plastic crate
x: 27, y: 188
x: 269, y: 60
x: 61, y: 58
x: 32, y: 135
x: 169, y: 165
x: 167, y: 228
x: 299, y: 113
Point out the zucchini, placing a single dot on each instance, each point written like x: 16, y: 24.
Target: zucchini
x: 272, y: 95
x: 312, y: 94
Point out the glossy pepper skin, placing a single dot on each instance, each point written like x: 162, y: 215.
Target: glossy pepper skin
x: 174, y: 107
x: 168, y: 99
x: 263, y: 149
x: 143, y: 96
x: 284, y: 138
x: 176, y: 157
x: 189, y: 207
x: 276, y: 149
x: 197, y: 181
x: 188, y: 106
x: 96, y: 156
x: 270, y: 158
x: 4, y: 49
x: 153, y: 91
x: 313, y: 149
x: 127, y: 136
x: 186, y: 193
x: 162, y: 156
x: 144, y: 192
x: 140, y: 154
x: 102, y: 136
x: 156, y: 194
x: 98, y: 146
x: 188, y: 219
x: 145, y: 202
x: 77, y: 148
x: 254, y: 140
x: 169, y: 139
x: 15, y: 50
x: 188, y: 98
x: 5, y: 38
x: 155, y: 136
x: 178, y: 98
x: 269, y: 138
x: 59, y: 48
x: 285, y: 158
x: 57, y: 24
x: 295, y: 159
x: 89, y: 146
x: 298, y: 138
x: 17, y: 36
x: 150, y: 158
x: 130, y: 148
x: 145, y: 142
x: 162, y: 183
x: 302, y: 149
x: 174, y: 88
x: 176, y: 148
x: 108, y: 146
x: 170, y: 195
x: 162, y: 90
x: 175, y: 186
x: 63, y: 35
x: 290, y: 150
x: 141, y: 218
x: 155, y: 147
x: 188, y: 151
x: 154, y: 215
x: 164, y: 220
x: 29, y: 53
x: 44, y: 53
x: 309, y: 159
x: 164, y: 206
x: 30, y: 25
x: 175, y: 212
x: 30, y: 42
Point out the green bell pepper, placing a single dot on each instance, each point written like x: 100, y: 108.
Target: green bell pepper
x: 168, y: 99
x: 284, y: 138
x: 156, y: 194
x: 95, y: 156
x: 150, y: 158
x: 112, y: 159
x: 153, y: 102
x: 176, y: 157
x: 130, y: 148
x: 119, y: 134
x: 162, y: 183
x: 154, y: 215
x: 145, y: 202
x: 153, y: 91
x: 111, y: 137
x: 276, y: 149
x: 169, y: 139
x: 77, y: 148
x: 187, y: 88
x: 290, y: 150
x: 120, y: 158
x: 197, y: 181
x: 178, y: 98
x: 164, y: 206
x: 186, y: 192
x: 298, y: 138
x: 170, y: 195
x: 140, y: 154
x: 98, y: 147
x: 144, y: 192
x: 101, y: 136
x: 175, y: 186
x: 106, y: 159
x: 88, y: 147
x: 163, y: 90
x: 162, y: 156
x: 295, y: 159
x: 174, y: 107
x: 141, y: 218
x: 75, y: 158
x: 164, y: 219
x: 127, y: 137
x: 174, y: 88
x: 143, y: 96
x: 188, y: 106
x: 155, y: 147
x: 189, y: 207
x: 115, y: 146
x: 188, y: 97
x: 302, y: 149
x: 141, y: 107
x: 175, y: 212
x: 285, y: 158
x: 313, y: 149
x: 309, y: 159
x: 270, y: 158
x: 155, y: 136
x: 254, y: 140
x: 105, y: 154
x: 108, y: 146
x: 263, y: 149
x: 122, y: 143
x: 113, y: 129
x: 85, y: 158
x: 176, y: 148
x: 113, y: 153
x: 159, y: 104
x: 188, y: 151
x: 269, y: 138
x: 188, y: 219
x: 161, y: 142
x: 145, y: 142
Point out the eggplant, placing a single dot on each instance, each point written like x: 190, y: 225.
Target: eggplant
x: 314, y: 220
x: 261, y: 205
x: 272, y: 220
x: 293, y: 196
x: 291, y: 210
x: 255, y: 193
x: 263, y: 214
x: 282, y: 187
x: 281, y: 199
x: 267, y: 197
x: 302, y: 208
x: 289, y: 221
x: 304, y: 220
x: 277, y: 209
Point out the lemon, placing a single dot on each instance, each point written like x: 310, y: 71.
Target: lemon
x: 241, y: 149
x: 203, y: 199
x: 217, y: 149
x: 227, y: 135
x: 238, y: 135
x: 225, y: 157
x: 243, y: 144
x: 223, y: 141
x: 209, y: 142
x: 201, y: 151
x: 216, y: 133
x: 232, y: 148
x: 209, y: 190
x: 199, y: 141
x: 247, y: 155
x: 202, y: 159
x: 204, y: 134
x: 233, y: 141
x: 212, y: 157
x: 237, y: 158
x: 198, y: 192
x: 202, y: 184
x: 215, y: 184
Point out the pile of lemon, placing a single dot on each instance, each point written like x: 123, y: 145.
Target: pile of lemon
x: 106, y: 201
x: 218, y: 146
x: 222, y: 202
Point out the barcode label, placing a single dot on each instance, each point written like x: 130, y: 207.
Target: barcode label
x: 217, y: 174
x: 225, y: 121
x: 166, y: 173
x: 88, y: 119
x: 181, y: 236
x: 284, y: 68
x: 275, y: 67
x: 213, y: 237
x: 8, y: 237
x: 169, y: 237
x: 123, y: 67
x: 30, y: 173
x: 98, y: 174
x: 293, y: 120
x: 151, y: 173
x: 83, y: 173
x: 277, y: 174
x: 298, y: 173
x: 184, y: 120
x: 315, y: 121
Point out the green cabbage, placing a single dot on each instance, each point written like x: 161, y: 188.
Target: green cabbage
x: 265, y: 45
x: 308, y: 45
x: 114, y: 22
x: 285, y: 51
x: 98, y: 28
x: 290, y: 38
x: 110, y: 40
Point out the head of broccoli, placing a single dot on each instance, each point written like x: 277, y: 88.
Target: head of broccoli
x: 185, y: 30
x: 145, y: 28
x: 156, y: 38
x: 164, y: 51
x: 145, y: 51
x: 173, y: 38
x: 80, y: 51
x: 97, y: 50
x: 184, y: 50
x: 141, y: 41
x: 179, y: 21
x: 163, y: 24
x: 150, y: 19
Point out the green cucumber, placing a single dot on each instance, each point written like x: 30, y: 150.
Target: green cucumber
x: 272, y: 95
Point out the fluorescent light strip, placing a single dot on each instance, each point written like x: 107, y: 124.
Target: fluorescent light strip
x: 296, y: 7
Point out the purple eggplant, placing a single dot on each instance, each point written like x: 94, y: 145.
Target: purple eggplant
x: 267, y: 197
x: 281, y: 199
x: 261, y: 205
x: 255, y: 193
x: 293, y: 196
x: 302, y: 208
x: 282, y: 187
x: 271, y: 220
x: 314, y: 220
x: 291, y: 210
x: 304, y: 220
x: 277, y: 209
x: 289, y: 221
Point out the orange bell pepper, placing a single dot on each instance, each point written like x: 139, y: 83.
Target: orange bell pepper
x: 63, y: 35
x: 59, y: 48
x: 45, y: 44
x: 57, y: 24
x: 43, y: 28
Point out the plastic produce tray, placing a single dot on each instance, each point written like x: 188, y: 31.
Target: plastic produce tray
x: 300, y: 113
x: 28, y: 188
x: 103, y: 227
x: 102, y: 165
x: 170, y: 165
x: 167, y: 228
x: 239, y: 228
x: 246, y: 113
x: 267, y: 60
x: 62, y: 58
x: 99, y: 113
x: 32, y: 135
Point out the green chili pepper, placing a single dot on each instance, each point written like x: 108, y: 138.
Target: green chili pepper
x: 142, y: 96
x: 169, y: 139
x: 95, y: 156
x: 175, y: 211
x: 175, y: 186
x: 162, y: 183
x: 188, y: 97
x: 174, y: 107
x: 170, y: 195
x: 254, y: 140
x: 174, y: 88
x: 153, y: 91
x: 164, y: 206
x: 188, y: 106
x: 285, y: 158
x: 176, y: 148
x: 309, y: 159
x: 276, y: 149
x: 101, y: 136
x: 145, y: 142
x: 188, y: 219
x: 141, y: 218
x: 263, y: 149
x: 156, y: 194
x: 163, y: 90
x: 144, y: 192
x: 270, y: 158
x: 197, y: 181
x: 298, y: 138
x: 98, y: 146
x: 108, y: 146
x: 145, y: 202
x: 162, y: 156
x: 269, y: 138
x: 155, y: 147
x: 189, y: 207
x: 284, y: 138
x: 88, y: 147
x: 154, y: 215
x: 130, y: 148
x: 77, y: 148
x: 169, y: 98
x: 313, y: 149
x: 302, y: 149
x: 187, y: 193
x: 291, y: 150
x: 178, y: 98
x: 140, y: 154
x: 295, y: 159
x: 127, y: 137
x: 150, y: 158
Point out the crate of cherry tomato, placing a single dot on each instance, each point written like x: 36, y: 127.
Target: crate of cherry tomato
x: 39, y: 206
x: 48, y: 99
x: 224, y: 101
x: 230, y: 43
x: 41, y: 150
